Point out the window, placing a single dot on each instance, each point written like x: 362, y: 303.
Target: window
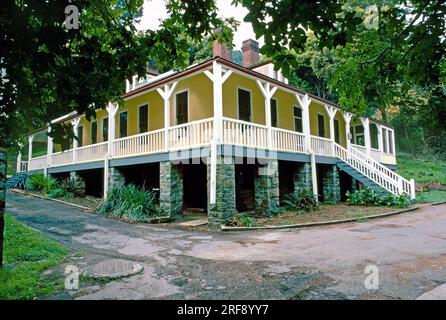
x: 181, y: 104
x: 143, y: 117
x: 359, y: 135
x: 321, y: 125
x: 336, y: 131
x: 80, y: 136
x: 297, y: 119
x: 374, y: 136
x: 274, y: 113
x: 94, y: 132
x: 244, y: 105
x: 123, y: 118
x: 104, y: 129
x: 385, y: 146
x: 390, y: 133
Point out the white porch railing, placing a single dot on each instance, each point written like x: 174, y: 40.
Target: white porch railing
x: 236, y: 132
x: 62, y: 158
x: 321, y: 146
x: 37, y: 163
x: 374, y: 153
x: 145, y: 143
x: 192, y: 134
x: 244, y: 133
x: 91, y: 152
x: 286, y: 140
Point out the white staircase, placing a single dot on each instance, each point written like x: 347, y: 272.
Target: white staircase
x: 375, y: 171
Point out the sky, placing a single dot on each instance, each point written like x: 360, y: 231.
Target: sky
x: 155, y: 10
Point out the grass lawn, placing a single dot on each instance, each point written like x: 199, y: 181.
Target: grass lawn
x: 431, y: 196
x: 26, y: 255
x: 425, y: 170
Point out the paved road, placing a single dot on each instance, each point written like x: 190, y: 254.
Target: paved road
x: 317, y: 263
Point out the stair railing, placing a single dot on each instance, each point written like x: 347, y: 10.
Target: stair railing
x: 375, y: 171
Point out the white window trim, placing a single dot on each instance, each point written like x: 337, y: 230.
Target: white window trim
x: 119, y: 124
x: 148, y: 116
x: 301, y: 118
x: 91, y: 131
x: 250, y: 102
x: 105, y: 119
x: 356, y: 135
x: 175, y: 105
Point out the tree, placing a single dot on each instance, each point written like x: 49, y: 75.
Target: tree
x: 2, y: 201
x: 404, y: 41
x: 47, y: 70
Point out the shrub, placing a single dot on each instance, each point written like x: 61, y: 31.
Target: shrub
x: 369, y: 197
x: 241, y: 221
x: 72, y: 187
x: 301, y: 200
x: 130, y: 204
x: 46, y: 185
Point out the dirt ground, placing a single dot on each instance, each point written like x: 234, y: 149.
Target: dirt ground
x: 325, y: 212
x: 409, y: 251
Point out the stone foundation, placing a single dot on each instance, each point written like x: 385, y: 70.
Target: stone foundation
x: 115, y: 178
x: 76, y: 178
x: 302, y: 178
x: 331, y: 185
x: 171, y: 189
x: 267, y: 188
x: 225, y: 206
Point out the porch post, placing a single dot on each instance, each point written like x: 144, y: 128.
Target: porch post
x: 49, y: 150
x: 217, y: 80
x: 305, y: 105
x: 268, y: 93
x: 30, y: 148
x: 19, y: 159
x: 166, y: 94
x: 347, y: 118
x: 331, y: 113
x: 379, y: 129
x: 112, y: 109
x: 366, y: 124
x: 75, y: 124
x: 314, y: 177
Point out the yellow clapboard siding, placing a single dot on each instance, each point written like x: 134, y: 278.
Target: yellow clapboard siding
x: 230, y: 103
x: 200, y: 95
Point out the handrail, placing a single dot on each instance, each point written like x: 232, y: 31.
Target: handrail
x: 383, y: 176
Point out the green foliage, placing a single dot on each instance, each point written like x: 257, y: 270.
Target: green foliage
x: 431, y: 196
x: 241, y: 220
x: 369, y: 197
x: 27, y: 254
x: 47, y: 71
x: 424, y: 169
x: 75, y: 187
x: 300, y: 200
x: 130, y: 204
x: 52, y: 188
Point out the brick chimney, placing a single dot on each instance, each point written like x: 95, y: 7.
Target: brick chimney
x: 221, y: 49
x: 250, y: 49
